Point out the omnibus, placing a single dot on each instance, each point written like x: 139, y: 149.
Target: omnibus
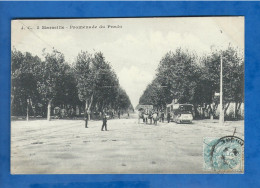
x: 180, y: 113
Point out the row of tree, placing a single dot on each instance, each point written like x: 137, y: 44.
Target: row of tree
x: 39, y: 85
x: 184, y: 76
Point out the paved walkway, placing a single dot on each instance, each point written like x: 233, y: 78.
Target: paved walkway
x: 66, y: 147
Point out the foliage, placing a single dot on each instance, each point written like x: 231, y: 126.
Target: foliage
x: 189, y: 79
x: 53, y: 81
x: 24, y: 68
x: 98, y: 84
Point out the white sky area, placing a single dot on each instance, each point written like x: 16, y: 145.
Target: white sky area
x: 135, y: 50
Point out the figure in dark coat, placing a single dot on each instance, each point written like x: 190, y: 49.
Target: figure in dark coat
x: 168, y: 117
x: 150, y: 116
x: 118, y: 114
x: 155, y: 116
x: 162, y: 116
x: 104, y: 125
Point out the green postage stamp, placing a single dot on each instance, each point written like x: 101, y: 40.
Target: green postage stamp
x: 224, y: 154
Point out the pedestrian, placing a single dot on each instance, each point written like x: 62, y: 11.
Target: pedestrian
x: 100, y: 115
x: 150, y: 117
x: 162, y: 116
x: 86, y: 118
x: 168, y: 117
x: 159, y: 115
x: 112, y: 115
x: 118, y: 114
x: 145, y: 117
x: 104, y: 125
x: 72, y: 113
x: 140, y: 116
x: 155, y: 118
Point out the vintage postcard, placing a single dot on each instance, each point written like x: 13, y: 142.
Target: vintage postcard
x: 127, y: 95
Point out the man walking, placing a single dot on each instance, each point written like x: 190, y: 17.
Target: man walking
x: 118, y: 114
x: 162, y: 115
x: 150, y: 117
x: 104, y: 125
x: 155, y: 118
x: 159, y: 115
x: 168, y: 117
x: 112, y: 115
x: 86, y: 118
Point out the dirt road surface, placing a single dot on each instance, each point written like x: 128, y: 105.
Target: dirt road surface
x: 67, y: 147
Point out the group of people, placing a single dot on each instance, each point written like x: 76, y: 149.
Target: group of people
x: 104, y: 120
x: 104, y: 116
x: 153, y: 116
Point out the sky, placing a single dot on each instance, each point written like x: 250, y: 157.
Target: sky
x: 133, y: 46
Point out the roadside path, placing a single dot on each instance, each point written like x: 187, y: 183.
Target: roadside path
x: 66, y: 147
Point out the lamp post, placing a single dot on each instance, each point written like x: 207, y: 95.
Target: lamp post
x: 221, y: 113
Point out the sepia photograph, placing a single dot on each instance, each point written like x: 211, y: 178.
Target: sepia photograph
x: 158, y: 95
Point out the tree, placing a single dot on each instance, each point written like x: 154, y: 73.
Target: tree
x: 176, y: 77
x: 24, y: 77
x: 37, y: 82
x: 84, y: 78
x: 233, y: 76
x: 106, y: 83
x: 96, y: 81
x: 122, y: 100
x: 67, y: 93
x: 52, y: 68
x: 154, y: 95
x: 183, y: 76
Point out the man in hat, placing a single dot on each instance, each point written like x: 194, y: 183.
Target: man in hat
x: 104, y: 125
x: 155, y: 118
x: 168, y: 117
x: 159, y: 115
x: 118, y: 113
x: 162, y: 116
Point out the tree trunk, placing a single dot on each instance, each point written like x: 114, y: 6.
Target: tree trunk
x: 102, y: 107
x: 27, y: 110
x: 32, y: 107
x: 211, y: 111
x: 86, y: 109
x: 225, y: 110
x: 89, y: 105
x: 237, y: 109
x: 235, y: 113
x: 215, y: 107
x: 12, y: 99
x: 49, y: 111
x: 195, y: 111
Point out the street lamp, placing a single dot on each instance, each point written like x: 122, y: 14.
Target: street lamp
x: 221, y: 112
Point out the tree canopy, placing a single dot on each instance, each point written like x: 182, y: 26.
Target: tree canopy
x: 191, y: 79
x: 42, y: 84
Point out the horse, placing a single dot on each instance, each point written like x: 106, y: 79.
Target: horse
x: 140, y: 116
x: 145, y: 117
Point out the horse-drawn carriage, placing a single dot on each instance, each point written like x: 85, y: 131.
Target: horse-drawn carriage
x: 145, y: 112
